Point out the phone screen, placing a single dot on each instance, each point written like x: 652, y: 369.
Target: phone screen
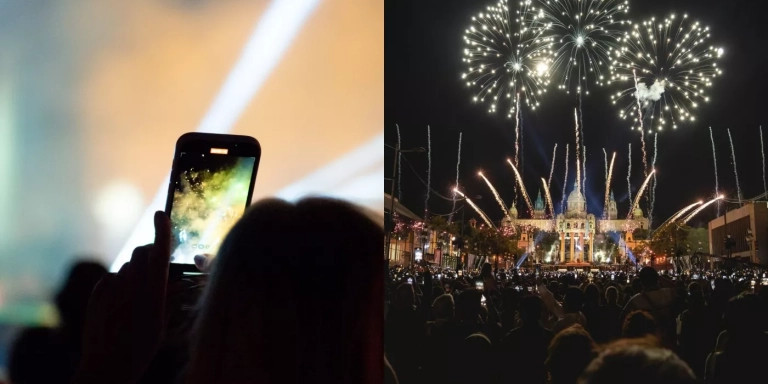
x: 211, y: 189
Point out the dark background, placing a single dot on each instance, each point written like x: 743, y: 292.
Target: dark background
x: 423, y: 52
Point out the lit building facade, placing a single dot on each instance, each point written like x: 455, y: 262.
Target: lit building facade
x: 576, y: 229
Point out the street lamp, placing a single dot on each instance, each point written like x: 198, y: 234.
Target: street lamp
x: 398, y: 151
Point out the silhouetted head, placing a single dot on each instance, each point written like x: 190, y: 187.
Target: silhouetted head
x: 695, y: 294
x: 743, y: 316
x: 569, y: 353
x: 294, y: 295
x: 530, y: 310
x: 592, y: 294
x: 573, y: 300
x: 72, y: 298
x: 443, y: 308
x: 468, y: 305
x: 486, y: 270
x: 637, y: 364
x: 612, y: 295
x: 649, y: 278
x: 638, y: 324
x: 406, y: 297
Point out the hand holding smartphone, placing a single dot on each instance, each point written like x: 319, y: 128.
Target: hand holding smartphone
x: 211, y: 184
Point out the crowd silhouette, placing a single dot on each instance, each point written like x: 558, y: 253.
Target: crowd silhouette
x: 293, y: 296
x: 621, y: 326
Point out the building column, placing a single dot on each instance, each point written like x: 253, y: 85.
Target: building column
x: 581, y: 246
x: 562, y: 247
x: 591, y: 248
x: 573, y: 246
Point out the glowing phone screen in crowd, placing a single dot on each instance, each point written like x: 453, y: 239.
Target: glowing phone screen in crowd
x: 210, y: 194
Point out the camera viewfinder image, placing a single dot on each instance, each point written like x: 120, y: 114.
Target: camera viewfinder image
x: 210, y: 196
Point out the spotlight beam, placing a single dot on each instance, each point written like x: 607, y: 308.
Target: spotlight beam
x: 273, y: 34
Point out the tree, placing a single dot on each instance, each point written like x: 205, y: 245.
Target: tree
x: 671, y: 240
x: 642, y: 250
x: 698, y: 240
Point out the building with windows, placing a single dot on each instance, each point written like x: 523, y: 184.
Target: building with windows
x: 577, y: 230
x: 741, y: 234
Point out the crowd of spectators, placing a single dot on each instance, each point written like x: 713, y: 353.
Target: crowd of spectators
x: 532, y: 326
x: 294, y: 295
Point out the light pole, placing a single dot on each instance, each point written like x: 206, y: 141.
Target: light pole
x: 398, y: 151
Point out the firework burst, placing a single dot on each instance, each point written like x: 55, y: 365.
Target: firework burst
x: 608, y: 177
x: 526, y: 197
x: 495, y: 195
x: 458, y: 162
x: 674, y: 64
x: 548, y: 197
x: 552, y: 168
x: 476, y: 208
x: 640, y: 191
x: 565, y: 179
x: 505, y: 57
x: 701, y: 208
x: 583, y: 34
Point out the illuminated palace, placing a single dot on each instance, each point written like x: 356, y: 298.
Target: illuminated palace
x: 577, y: 230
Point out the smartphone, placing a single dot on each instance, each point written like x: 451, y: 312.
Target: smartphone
x: 530, y: 289
x: 211, y: 184
x: 479, y: 285
x: 410, y: 280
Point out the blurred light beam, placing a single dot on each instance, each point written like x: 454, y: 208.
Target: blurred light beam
x: 273, y: 34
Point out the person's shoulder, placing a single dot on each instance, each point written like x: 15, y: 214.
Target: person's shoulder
x: 666, y: 295
x: 634, y: 299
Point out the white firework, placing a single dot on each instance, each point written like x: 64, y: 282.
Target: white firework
x: 674, y: 65
x: 583, y: 34
x: 505, y: 57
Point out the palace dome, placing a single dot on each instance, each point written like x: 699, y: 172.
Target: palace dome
x: 512, y: 211
x: 576, y: 201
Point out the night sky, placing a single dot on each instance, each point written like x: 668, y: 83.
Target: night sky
x: 423, y: 52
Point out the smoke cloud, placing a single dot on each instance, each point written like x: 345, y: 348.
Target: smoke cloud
x: 644, y: 93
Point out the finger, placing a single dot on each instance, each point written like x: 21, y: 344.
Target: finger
x: 159, y: 260
x: 163, y: 236
x: 124, y: 269
x: 160, y: 253
x: 139, y: 268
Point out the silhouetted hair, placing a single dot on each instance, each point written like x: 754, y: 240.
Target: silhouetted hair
x: 72, y: 298
x: 443, y: 307
x: 530, y: 309
x: 591, y: 294
x: 637, y: 364
x: 295, y: 295
x: 611, y: 295
x: 648, y: 277
x: 743, y: 315
x: 573, y: 300
x: 486, y: 270
x: 638, y: 324
x: 468, y: 305
x: 569, y: 353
